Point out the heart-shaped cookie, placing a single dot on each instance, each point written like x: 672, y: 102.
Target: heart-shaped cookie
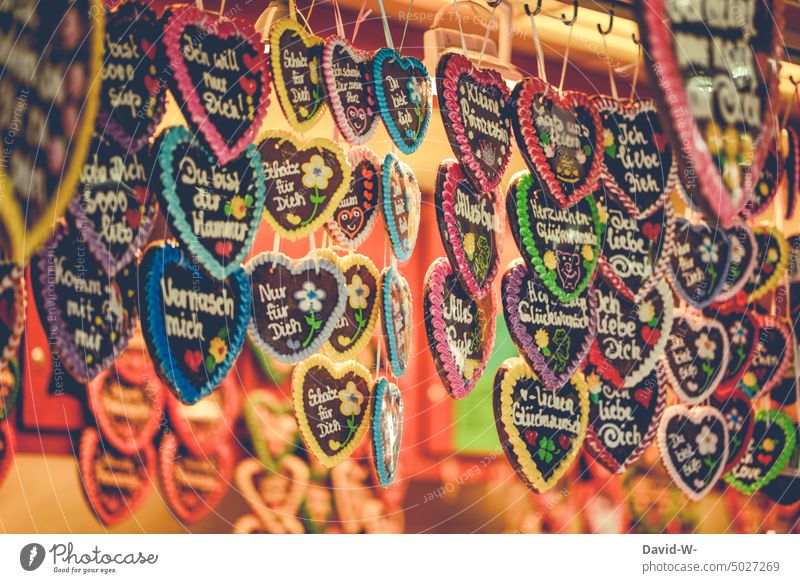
x: 460, y: 330
x: 213, y: 210
x: 774, y: 440
x: 791, y: 167
x: 358, y: 211
x: 622, y: 422
x: 470, y: 228
x: 194, y: 324
x: 296, y: 304
x: 128, y: 408
x: 51, y: 83
x: 10, y: 382
x: 274, y: 498
x: 737, y: 410
x: 553, y: 337
x: 12, y: 310
x: 305, y: 181
x: 771, y: 358
x: 541, y: 431
x: 638, y: 165
x: 743, y: 260
x: 402, y: 205
x: 405, y: 97
x: 115, y: 484
x: 560, y: 137
x: 387, y: 430
x: 477, y: 122
x: 272, y: 426
x: 630, y: 337
x: 772, y: 259
x: 700, y: 262
x: 332, y: 403
x: 766, y: 185
x: 742, y: 327
x: 694, y: 447
x: 397, y: 311
x: 132, y: 98
x: 636, y: 252
x: 347, y: 72
x: 561, y: 244
x: 220, y: 78
x: 7, y: 441
x: 296, y: 58
x: 719, y: 149
x: 696, y: 356
x: 193, y: 485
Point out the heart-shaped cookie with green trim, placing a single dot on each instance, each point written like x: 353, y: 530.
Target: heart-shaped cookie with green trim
x: 272, y: 426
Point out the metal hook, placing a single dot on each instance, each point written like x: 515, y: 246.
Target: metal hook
x: 574, y: 14
x: 795, y: 83
x: 610, y: 20
x: 535, y: 12
x: 635, y: 40
x: 494, y: 3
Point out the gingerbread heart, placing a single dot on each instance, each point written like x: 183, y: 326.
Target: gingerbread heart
x: 12, y: 310
x: 402, y: 203
x: 460, y: 330
x: 213, y: 210
x: 553, y: 337
x: 791, y: 167
x: 387, y: 430
x: 305, y: 182
x: 696, y: 356
x: 194, y: 325
x: 773, y: 442
x: 720, y: 150
x: 296, y: 304
x: 694, y: 447
x: 469, y: 226
x: 541, y: 431
x: 638, y: 165
x: 771, y: 358
x: 397, y: 312
x: 7, y: 441
x: 772, y: 259
x: 700, y: 262
x: 560, y: 137
x: 562, y: 245
x: 296, y: 58
x: 405, y: 97
x: 194, y: 485
x: 332, y: 403
x: 358, y: 211
x: 743, y: 260
x: 274, y: 498
x: 477, y: 122
x: 742, y: 328
x: 220, y: 78
x: 272, y: 426
x: 737, y: 410
x: 115, y: 484
x: 766, y: 185
x: 347, y: 72
x: 10, y: 382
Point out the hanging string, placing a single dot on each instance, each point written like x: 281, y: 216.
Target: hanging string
x: 486, y: 36
x: 387, y: 33
x: 276, y: 243
x: 537, y: 43
x: 565, y: 62
x: 363, y: 14
x: 460, y: 29
x: 611, y: 80
x: 636, y: 67
x: 337, y: 17
x: 405, y: 26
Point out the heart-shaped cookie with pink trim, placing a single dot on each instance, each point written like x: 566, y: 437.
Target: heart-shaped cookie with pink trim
x: 737, y: 409
x: 772, y: 260
x: 742, y: 327
x: 771, y: 358
x: 743, y: 260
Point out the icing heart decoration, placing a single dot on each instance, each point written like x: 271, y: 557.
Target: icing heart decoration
x: 638, y: 165
x: 469, y: 226
x: 541, y: 431
x: 743, y: 260
x: 562, y: 245
x: 405, y: 97
x: 553, y: 337
x: 402, y: 204
x: 305, y: 182
x: 194, y: 325
x: 274, y: 498
x: 720, y: 150
x: 132, y: 100
x: 766, y: 185
x: 771, y: 358
x: 213, y: 210
x: 630, y: 337
x: 220, y: 78
x: 45, y: 43
x: 296, y: 304
x: 636, y: 252
x: 296, y: 58
x: 347, y: 72
x: 739, y: 416
x: 115, y: 484
x: 774, y: 439
x: 128, y: 408
x: 772, y: 259
x: 332, y: 403
x: 460, y: 330
x: 193, y: 484
x: 743, y: 328
x: 7, y: 441
x: 397, y: 311
x: 272, y: 426
x: 791, y: 167
x: 560, y: 137
x: 12, y: 310
x: 10, y: 382
x: 696, y: 356
x: 387, y: 430
x: 622, y: 422
x: 472, y: 103
x: 694, y: 447
x: 700, y: 262
x: 359, y: 210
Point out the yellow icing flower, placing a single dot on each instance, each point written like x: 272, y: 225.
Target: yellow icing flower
x: 316, y: 173
x: 602, y: 214
x: 542, y: 338
x: 772, y: 255
x: 750, y: 379
x: 768, y: 444
x: 218, y: 349
x: 357, y: 293
x: 470, y: 366
x: 469, y: 244
x: 608, y: 138
x: 593, y: 383
x: 550, y: 261
x: 587, y: 252
x: 238, y: 207
x: 313, y: 73
x: 646, y: 312
x: 351, y: 400
x: 713, y: 138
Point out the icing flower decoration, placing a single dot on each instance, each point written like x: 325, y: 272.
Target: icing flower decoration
x: 587, y: 252
x: 542, y: 338
x: 735, y: 419
x: 470, y: 366
x: 313, y: 73
x: 738, y: 333
x: 772, y: 255
x: 469, y: 244
x: 706, y: 441
x: 238, y: 208
x: 414, y: 86
x: 713, y: 138
x: 218, y: 349
x: 357, y: 293
x: 608, y: 139
x: 602, y: 213
x: 646, y: 312
x: 705, y: 347
x: 316, y: 173
x: 708, y: 251
x: 749, y: 379
x: 310, y: 297
x: 768, y: 444
x: 550, y: 261
x: 351, y: 400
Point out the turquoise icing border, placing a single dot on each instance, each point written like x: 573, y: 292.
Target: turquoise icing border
x: 402, y: 252
x: 381, y: 386
x: 390, y: 274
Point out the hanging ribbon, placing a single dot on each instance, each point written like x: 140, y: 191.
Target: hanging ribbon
x: 386, y: 31
x: 363, y: 14
x: 460, y: 29
x: 405, y: 26
x: 537, y: 43
x: 565, y: 62
x: 486, y: 36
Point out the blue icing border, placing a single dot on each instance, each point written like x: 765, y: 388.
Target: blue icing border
x: 390, y: 274
x: 174, y: 137
x: 383, y: 107
x: 382, y: 385
x: 153, y: 262
x: 402, y: 252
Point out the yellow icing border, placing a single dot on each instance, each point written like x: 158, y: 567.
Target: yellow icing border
x: 780, y: 267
